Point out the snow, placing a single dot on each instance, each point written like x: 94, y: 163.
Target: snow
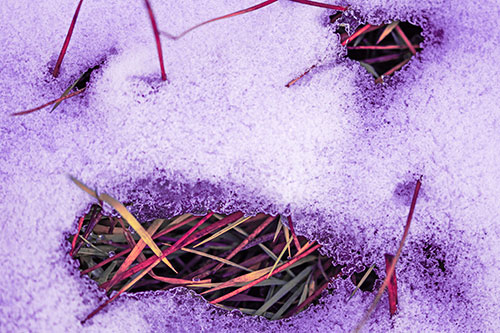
x: 338, y: 152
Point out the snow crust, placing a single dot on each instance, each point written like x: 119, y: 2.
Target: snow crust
x: 336, y: 151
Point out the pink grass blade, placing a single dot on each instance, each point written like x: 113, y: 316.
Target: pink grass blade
x: 157, y: 39
x: 358, y: 32
x: 295, y: 238
x: 406, y: 40
x: 73, y: 243
x: 152, y: 265
x: 60, y: 99
x: 392, y: 287
x: 322, y: 5
x: 247, y: 240
x: 243, y: 11
x: 180, y: 243
x: 380, y: 47
x: 392, y: 70
x: 57, y: 68
x: 137, y: 250
x: 390, y: 271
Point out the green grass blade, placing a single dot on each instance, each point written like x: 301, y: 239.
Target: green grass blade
x: 287, y: 304
x: 283, y: 291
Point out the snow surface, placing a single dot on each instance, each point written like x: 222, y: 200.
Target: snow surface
x: 338, y: 152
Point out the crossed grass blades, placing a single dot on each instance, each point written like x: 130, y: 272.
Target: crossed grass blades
x: 382, y: 49
x: 255, y: 264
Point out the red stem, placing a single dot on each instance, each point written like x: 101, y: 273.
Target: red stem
x: 49, y: 103
x: 239, y: 12
x: 73, y: 243
x: 295, y: 239
x: 55, y: 73
x: 157, y: 39
x: 322, y: 5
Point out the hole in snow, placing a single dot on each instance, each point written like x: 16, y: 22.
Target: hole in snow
x: 247, y: 249
x: 382, y: 49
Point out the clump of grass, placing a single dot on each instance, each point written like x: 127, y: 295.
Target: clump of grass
x: 242, y: 266
x: 254, y: 264
x: 382, y: 49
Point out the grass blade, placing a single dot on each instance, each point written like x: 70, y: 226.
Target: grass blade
x: 226, y: 229
x: 392, y: 287
x: 283, y: 291
x: 243, y: 11
x: 359, y: 32
x: 390, y: 271
x: 287, y: 304
x: 57, y: 67
x: 276, y: 271
x: 406, y: 40
x: 60, y: 99
x: 387, y: 31
x: 136, y: 226
x: 279, y: 257
x: 322, y: 5
x: 363, y: 279
x: 157, y: 39
x: 295, y: 238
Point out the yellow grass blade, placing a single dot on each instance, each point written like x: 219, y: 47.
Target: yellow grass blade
x: 278, y: 229
x: 226, y: 229
x: 279, y: 257
x: 287, y: 239
x: 137, y: 250
x: 136, y: 226
x: 362, y: 280
x: 387, y: 31
x: 203, y: 254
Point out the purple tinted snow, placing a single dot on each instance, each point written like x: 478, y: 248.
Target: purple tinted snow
x: 226, y: 132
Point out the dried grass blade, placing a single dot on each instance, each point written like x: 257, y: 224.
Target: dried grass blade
x: 287, y: 239
x: 357, y: 33
x: 247, y: 240
x: 363, y: 279
x: 131, y: 220
x: 136, y: 251
x: 73, y: 243
x: 387, y: 31
x: 278, y: 229
x: 222, y: 260
x: 185, y: 240
x: 390, y: 272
